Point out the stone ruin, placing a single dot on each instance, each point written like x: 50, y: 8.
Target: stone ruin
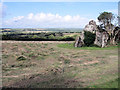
x: 102, y: 36
x: 91, y: 27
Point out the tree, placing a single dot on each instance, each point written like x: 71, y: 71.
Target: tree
x: 106, y: 19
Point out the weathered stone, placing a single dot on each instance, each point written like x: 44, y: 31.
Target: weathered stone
x: 98, y: 40
x: 101, y: 38
x: 91, y: 27
x: 105, y: 37
x: 78, y: 42
x: 101, y: 35
x: 116, y: 35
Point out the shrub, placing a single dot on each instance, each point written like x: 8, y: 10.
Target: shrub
x: 89, y: 38
x: 20, y: 58
x: 51, y: 37
x: 35, y: 36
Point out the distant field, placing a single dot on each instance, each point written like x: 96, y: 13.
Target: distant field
x: 58, y: 65
x: 37, y: 30
x: 43, y: 34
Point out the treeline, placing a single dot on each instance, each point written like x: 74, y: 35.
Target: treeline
x: 58, y: 36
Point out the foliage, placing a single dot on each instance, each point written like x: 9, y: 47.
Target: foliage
x: 89, y: 38
x: 35, y: 36
x: 51, y: 37
x: 56, y: 36
x: 105, y: 18
x: 20, y: 58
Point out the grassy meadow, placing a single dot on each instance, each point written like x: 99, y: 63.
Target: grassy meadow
x: 58, y: 65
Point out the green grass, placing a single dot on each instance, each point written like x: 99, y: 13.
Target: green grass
x: 110, y: 84
x: 61, y: 66
x: 66, y: 61
x: 119, y: 45
x: 71, y: 46
x: 40, y: 58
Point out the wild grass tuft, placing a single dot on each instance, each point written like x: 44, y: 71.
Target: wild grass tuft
x: 21, y: 58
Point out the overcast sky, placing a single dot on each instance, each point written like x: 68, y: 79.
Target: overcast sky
x: 53, y: 14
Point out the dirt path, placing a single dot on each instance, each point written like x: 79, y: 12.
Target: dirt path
x: 36, y: 41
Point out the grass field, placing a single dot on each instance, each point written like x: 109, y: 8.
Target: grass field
x: 59, y: 65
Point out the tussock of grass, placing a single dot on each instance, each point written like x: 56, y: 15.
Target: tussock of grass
x: 66, y: 61
x: 71, y: 46
x: 20, y: 58
x: 110, y: 84
x: 40, y: 58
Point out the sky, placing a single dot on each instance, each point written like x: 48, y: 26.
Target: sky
x: 53, y: 14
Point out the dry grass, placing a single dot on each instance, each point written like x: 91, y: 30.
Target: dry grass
x: 47, y: 65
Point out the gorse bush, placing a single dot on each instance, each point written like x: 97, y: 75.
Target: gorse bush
x: 89, y: 38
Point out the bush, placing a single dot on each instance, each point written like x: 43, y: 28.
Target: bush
x: 51, y: 37
x: 89, y: 38
x: 20, y: 58
x: 35, y: 36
